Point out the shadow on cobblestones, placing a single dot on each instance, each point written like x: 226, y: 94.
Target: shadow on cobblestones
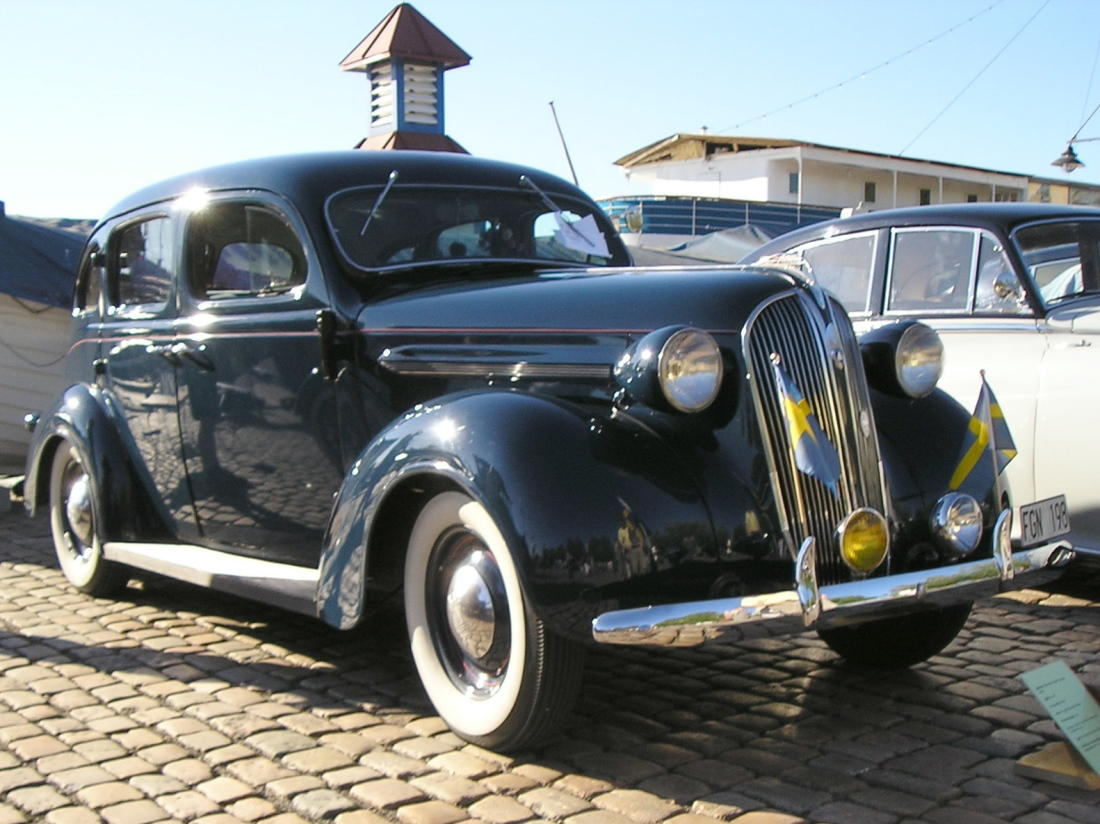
x: 175, y: 703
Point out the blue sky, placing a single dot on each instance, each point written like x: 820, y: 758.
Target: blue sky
x: 100, y: 98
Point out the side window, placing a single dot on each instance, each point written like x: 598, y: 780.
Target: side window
x: 242, y: 249
x: 843, y: 266
x: 142, y: 260
x: 999, y: 291
x: 930, y: 270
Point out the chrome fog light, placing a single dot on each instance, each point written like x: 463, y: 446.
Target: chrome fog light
x: 864, y: 540
x: 957, y: 521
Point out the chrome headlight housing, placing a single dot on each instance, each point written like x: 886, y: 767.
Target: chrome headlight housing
x: 903, y: 358
x: 918, y: 360
x: 957, y: 522
x: 677, y: 368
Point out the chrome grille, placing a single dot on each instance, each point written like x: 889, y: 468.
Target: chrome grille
x: 815, y: 343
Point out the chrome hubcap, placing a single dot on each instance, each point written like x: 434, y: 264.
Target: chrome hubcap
x: 78, y: 510
x: 469, y: 613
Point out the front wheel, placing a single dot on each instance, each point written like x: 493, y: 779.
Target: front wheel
x: 73, y: 525
x: 494, y: 672
x: 898, y: 642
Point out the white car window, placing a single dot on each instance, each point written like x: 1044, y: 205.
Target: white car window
x: 1063, y: 258
x: 999, y: 291
x: 930, y: 270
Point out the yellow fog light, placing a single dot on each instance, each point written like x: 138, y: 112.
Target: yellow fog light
x: 864, y: 540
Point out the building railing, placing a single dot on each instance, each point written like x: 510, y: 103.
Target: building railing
x: 675, y: 215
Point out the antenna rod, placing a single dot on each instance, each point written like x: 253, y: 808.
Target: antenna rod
x: 568, y: 159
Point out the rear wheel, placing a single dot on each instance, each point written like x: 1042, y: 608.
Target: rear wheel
x: 898, y: 642
x: 73, y: 525
x: 492, y: 669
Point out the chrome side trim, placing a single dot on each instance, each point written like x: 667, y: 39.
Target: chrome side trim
x: 493, y: 369
x: 791, y: 611
x: 284, y: 585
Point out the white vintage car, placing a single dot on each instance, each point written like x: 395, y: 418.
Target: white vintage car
x: 1013, y: 289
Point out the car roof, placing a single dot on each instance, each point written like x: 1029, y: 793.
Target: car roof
x: 997, y: 217
x: 317, y: 175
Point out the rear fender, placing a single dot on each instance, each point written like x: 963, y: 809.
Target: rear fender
x: 82, y: 416
x: 577, y: 497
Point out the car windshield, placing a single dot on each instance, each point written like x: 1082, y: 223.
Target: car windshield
x: 387, y: 227
x: 1063, y: 258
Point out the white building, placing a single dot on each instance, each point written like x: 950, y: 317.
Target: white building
x: 801, y: 182
x: 789, y: 171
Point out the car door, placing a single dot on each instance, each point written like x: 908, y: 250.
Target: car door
x: 1064, y: 258
x: 956, y: 280
x: 257, y: 418
x: 135, y: 362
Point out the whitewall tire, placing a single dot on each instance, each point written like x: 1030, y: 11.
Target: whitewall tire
x: 74, y: 528
x: 493, y: 671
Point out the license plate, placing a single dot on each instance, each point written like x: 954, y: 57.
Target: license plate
x: 1043, y: 520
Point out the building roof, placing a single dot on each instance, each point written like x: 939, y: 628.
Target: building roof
x: 415, y: 141
x: 405, y: 33
x: 682, y: 146
x: 37, y: 263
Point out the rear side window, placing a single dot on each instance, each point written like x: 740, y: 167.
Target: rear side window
x: 242, y: 249
x: 142, y: 262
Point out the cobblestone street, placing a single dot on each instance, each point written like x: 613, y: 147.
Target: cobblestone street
x: 177, y: 704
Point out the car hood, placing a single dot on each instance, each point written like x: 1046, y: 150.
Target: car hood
x: 624, y: 301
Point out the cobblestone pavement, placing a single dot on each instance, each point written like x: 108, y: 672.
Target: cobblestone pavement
x: 176, y: 704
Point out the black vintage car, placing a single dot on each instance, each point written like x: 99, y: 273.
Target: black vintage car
x: 320, y: 380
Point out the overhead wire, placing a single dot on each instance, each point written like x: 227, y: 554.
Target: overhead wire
x: 1092, y: 76
x: 862, y: 74
x: 974, y: 79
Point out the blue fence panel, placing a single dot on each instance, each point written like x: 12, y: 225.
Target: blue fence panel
x: 700, y: 216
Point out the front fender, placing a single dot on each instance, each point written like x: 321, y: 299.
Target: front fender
x: 82, y: 417
x: 590, y: 504
x: 921, y: 443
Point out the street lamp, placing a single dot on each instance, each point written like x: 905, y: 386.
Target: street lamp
x: 1068, y: 159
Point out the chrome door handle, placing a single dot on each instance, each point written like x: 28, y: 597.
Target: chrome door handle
x: 167, y: 351
x: 197, y: 355
x: 176, y: 352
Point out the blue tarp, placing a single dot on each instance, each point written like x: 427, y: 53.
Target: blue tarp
x: 38, y: 263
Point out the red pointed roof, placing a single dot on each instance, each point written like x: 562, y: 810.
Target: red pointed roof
x: 408, y: 34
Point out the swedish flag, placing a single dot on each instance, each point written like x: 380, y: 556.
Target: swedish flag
x: 813, y: 453
x: 987, y: 439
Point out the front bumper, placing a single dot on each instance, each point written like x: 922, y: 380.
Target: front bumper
x: 808, y: 606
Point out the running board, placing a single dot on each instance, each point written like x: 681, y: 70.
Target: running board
x: 283, y: 585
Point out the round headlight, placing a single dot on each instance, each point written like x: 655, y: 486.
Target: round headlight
x: 864, y: 540
x: 957, y: 521
x: 918, y: 360
x: 689, y: 369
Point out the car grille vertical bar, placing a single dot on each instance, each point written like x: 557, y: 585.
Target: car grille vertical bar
x: 817, y: 347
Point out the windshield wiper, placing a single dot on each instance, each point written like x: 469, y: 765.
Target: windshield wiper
x: 378, y: 202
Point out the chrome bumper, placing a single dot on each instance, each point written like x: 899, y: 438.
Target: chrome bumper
x: 808, y: 606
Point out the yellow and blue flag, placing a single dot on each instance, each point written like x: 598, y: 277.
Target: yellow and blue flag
x: 814, y: 455
x: 988, y: 442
